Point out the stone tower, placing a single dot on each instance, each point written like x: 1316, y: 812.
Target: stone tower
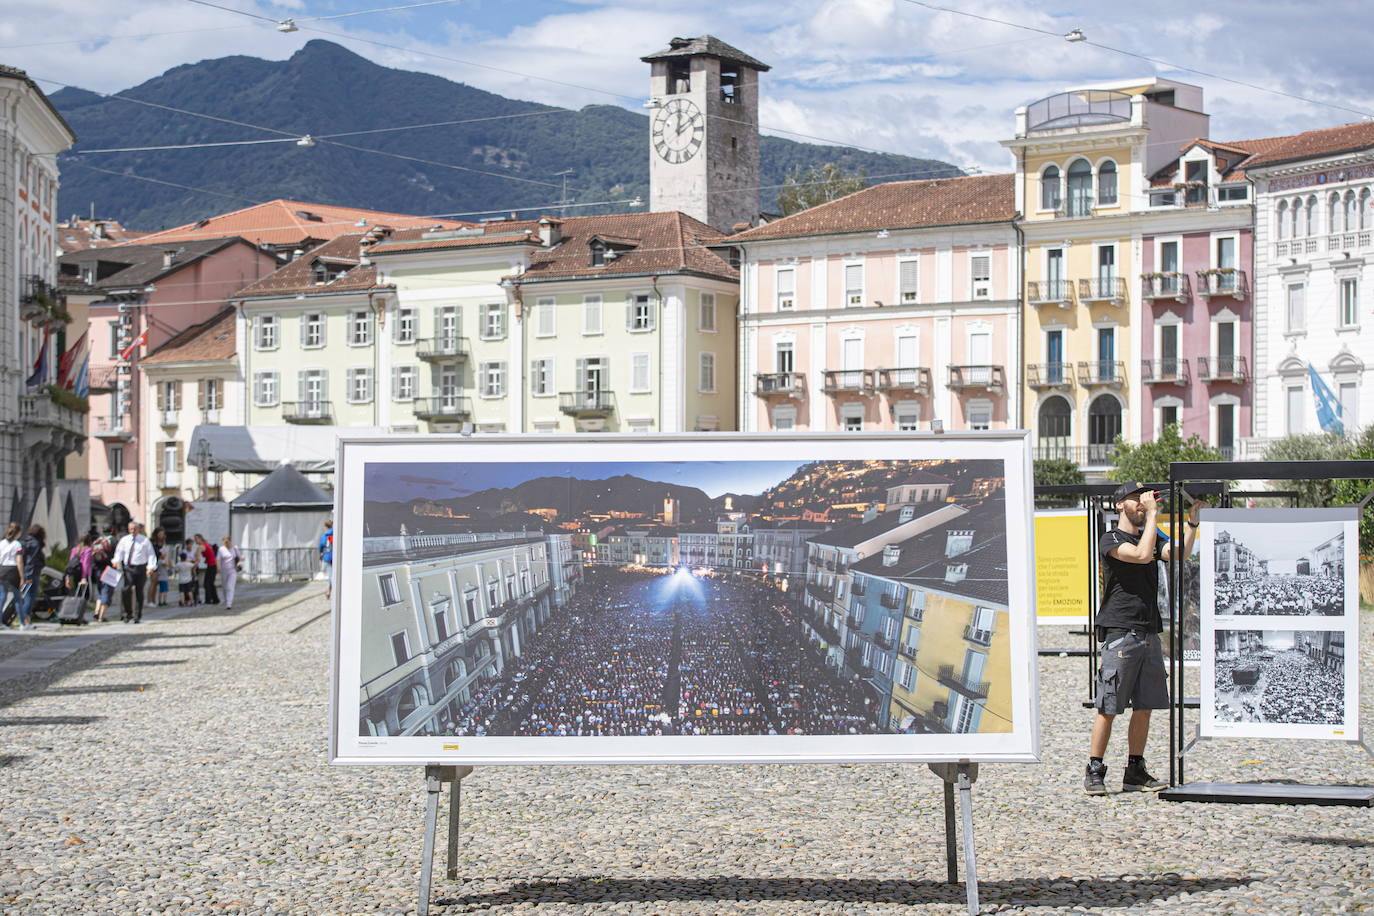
x: 704, y: 131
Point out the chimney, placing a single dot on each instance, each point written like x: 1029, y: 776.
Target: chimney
x: 891, y: 554
x: 168, y: 256
x: 550, y: 231
x: 907, y: 513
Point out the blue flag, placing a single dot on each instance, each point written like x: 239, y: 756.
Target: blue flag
x: 1328, y: 408
x: 40, y: 366
x: 81, y: 386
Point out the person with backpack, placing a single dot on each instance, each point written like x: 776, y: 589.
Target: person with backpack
x: 33, y: 547
x: 79, y: 563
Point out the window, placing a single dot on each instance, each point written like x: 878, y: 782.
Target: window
x: 784, y: 418
x: 906, y: 355
x: 1195, y: 174
x: 1297, y: 308
x: 639, y: 372
x: 1293, y: 409
x: 981, y: 269
x: 546, y: 320
x: 492, y: 378
x: 853, y: 284
x: 1054, y: 356
x: 1049, y: 188
x: 980, y: 414
x: 359, y: 385
x: 591, y: 314
x: 313, y: 385
x: 852, y: 418
x: 1226, y: 429
x: 1168, y: 415
x: 706, y: 312
x: 1055, y: 285
x: 1106, y: 183
x: 541, y: 377
x: 405, y: 326
x: 907, y: 416
x: 400, y: 647
x: 1349, y: 393
x: 391, y: 594
x: 169, y: 396
x: 117, y: 339
x: 470, y: 612
x: 169, y: 463
x: 639, y: 312
x: 440, y: 622
x: 787, y: 279
x: 115, y: 459
x: 706, y: 380
x: 907, y: 278
x: 1080, y: 188
x: 784, y: 356
x: 447, y: 322
x: 1234, y: 193
x: 403, y: 383
x: 493, y: 321
x: 641, y: 426
x: 265, y: 389
x: 211, y: 393
x: 360, y: 328
x: 1282, y: 226
x: 312, y: 330
x: 1350, y: 302
x: 265, y: 332
x: 598, y: 250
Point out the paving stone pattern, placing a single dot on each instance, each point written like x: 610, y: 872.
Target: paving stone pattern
x: 179, y: 767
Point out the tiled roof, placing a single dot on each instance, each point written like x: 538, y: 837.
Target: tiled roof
x: 506, y: 232
x: 79, y: 234
x: 1241, y: 155
x: 899, y: 205
x: 856, y: 533
x: 922, y: 561
x: 298, y: 275
x: 919, y: 477
x: 290, y: 222
x: 139, y: 265
x: 1326, y: 141
x: 213, y: 339
x: 705, y: 46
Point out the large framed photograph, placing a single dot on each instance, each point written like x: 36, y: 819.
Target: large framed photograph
x: 1280, y: 601
x: 727, y: 598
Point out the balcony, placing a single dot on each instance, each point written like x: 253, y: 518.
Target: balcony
x: 102, y: 378
x: 44, y: 419
x: 169, y: 480
x: 822, y: 593
x: 444, y: 407
x: 854, y: 658
x: 115, y: 428
x: 1081, y: 108
x: 169, y: 418
x: 791, y: 384
x: 584, y: 404
x: 1049, y: 292
x: 1111, y: 290
x: 883, y: 641
x: 442, y: 348
x: 40, y: 301
x: 854, y: 621
x: 988, y: 378
x: 890, y: 601
x: 1042, y: 376
x: 1347, y: 241
x: 1097, y: 455
x: 974, y: 690
x: 1107, y: 372
x: 847, y: 381
x: 1227, y: 281
x: 210, y: 416
x: 978, y: 636
x: 1222, y: 368
x: 1170, y: 284
x: 1164, y: 371
x: 858, y: 589
x: 915, y: 380
x: 308, y: 412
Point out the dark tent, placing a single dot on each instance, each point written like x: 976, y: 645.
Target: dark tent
x: 277, y: 524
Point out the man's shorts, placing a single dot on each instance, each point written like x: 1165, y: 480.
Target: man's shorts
x: 1131, y: 674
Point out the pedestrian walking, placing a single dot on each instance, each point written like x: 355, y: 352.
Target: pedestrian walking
x: 11, y: 573
x: 228, y: 569
x: 327, y: 556
x: 104, y: 591
x: 134, y: 557
x: 159, y: 541
x: 207, y: 550
x: 33, y: 547
x: 79, y: 563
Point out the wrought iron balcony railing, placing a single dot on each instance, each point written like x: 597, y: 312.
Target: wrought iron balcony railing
x: 1222, y: 368
x: 1102, y: 372
x: 1171, y: 371
x: 1049, y: 375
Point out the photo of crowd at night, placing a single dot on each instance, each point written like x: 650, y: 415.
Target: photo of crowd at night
x: 837, y: 597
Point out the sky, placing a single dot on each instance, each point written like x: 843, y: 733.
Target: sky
x: 889, y: 75
x: 428, y: 480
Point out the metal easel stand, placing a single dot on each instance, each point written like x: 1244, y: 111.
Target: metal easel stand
x: 960, y: 776
x: 435, y: 777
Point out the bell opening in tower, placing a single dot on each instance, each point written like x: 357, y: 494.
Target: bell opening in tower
x: 679, y: 76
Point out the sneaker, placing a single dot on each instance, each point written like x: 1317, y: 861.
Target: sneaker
x: 1136, y: 779
x: 1093, y: 778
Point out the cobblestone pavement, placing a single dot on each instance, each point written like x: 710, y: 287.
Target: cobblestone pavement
x: 180, y: 768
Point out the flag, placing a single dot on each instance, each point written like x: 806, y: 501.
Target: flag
x: 128, y: 352
x: 81, y: 385
x: 40, y: 366
x: 1328, y: 408
x: 66, y: 363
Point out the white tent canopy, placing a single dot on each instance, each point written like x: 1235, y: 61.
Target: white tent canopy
x: 262, y: 449
x: 277, y: 525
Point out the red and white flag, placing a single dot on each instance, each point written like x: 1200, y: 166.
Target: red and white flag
x: 128, y: 352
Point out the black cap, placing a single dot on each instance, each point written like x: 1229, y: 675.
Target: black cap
x: 1129, y: 489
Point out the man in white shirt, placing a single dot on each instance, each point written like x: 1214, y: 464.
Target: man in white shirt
x: 134, y: 556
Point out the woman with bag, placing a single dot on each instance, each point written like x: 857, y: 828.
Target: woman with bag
x: 229, y: 570
x: 104, y: 579
x: 79, y: 564
x: 11, y: 573
x: 211, y: 567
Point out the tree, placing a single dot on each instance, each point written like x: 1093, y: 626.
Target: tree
x: 1350, y: 492
x: 1052, y: 472
x: 1311, y: 447
x: 1149, y: 462
x: 804, y: 189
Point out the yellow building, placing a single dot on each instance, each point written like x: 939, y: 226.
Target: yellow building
x: 1083, y: 162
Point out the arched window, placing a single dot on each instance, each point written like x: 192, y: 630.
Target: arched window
x: 1106, y: 183
x: 1352, y: 216
x: 1104, y: 425
x: 1333, y: 212
x: 1366, y: 214
x: 414, y: 699
x: 1049, y: 188
x: 1281, y: 226
x: 1055, y: 429
x: 1080, y: 188
x: 1312, y: 215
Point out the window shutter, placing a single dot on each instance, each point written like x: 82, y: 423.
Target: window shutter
x: 301, y: 385
x: 324, y: 387
x: 200, y: 394
x: 181, y: 456
x: 350, y: 380
x: 395, y: 383
x: 908, y: 281
x: 630, y: 311
x: 162, y: 396
x: 161, y: 459
x: 257, y: 388
x: 305, y: 328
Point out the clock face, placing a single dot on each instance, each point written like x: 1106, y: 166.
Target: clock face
x: 678, y: 130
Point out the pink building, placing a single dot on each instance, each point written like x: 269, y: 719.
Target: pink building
x: 140, y: 296
x: 1197, y: 330
x: 886, y: 309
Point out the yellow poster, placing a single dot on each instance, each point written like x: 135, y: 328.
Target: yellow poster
x: 1062, y: 566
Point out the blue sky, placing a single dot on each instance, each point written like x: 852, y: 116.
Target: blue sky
x: 884, y: 74
x: 429, y: 480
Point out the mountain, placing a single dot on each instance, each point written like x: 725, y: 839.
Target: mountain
x: 325, y: 89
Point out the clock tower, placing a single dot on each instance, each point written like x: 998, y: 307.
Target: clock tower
x: 704, y: 131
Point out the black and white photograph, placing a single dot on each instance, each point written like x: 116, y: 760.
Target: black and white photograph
x: 579, y: 603
x: 1263, y: 570
x: 1279, y: 677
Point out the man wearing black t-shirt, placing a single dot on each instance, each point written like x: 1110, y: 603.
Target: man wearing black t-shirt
x: 1128, y: 627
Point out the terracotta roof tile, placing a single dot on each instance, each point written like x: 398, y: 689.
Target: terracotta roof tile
x: 213, y: 339
x: 1326, y: 141
x: 506, y: 232
x: 298, y: 276
x: 899, y: 205
x: 290, y: 222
